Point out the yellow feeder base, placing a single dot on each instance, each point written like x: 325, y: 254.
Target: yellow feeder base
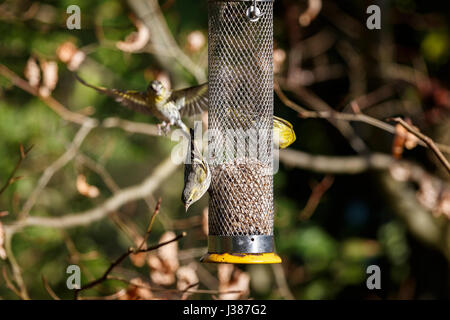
x: 241, y: 258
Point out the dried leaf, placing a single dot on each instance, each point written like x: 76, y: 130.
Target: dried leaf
x: 50, y: 77
x: 224, y: 272
x: 238, y: 281
x: 137, y: 40
x: 169, y: 253
x: 32, y: 72
x: 139, y: 259
x: 86, y: 189
x: 137, y: 290
x: 69, y: 54
x: 164, y: 262
x: 403, y: 138
x: 195, y: 41
x: 314, y: 7
x: 205, y: 228
x: 279, y: 56
x: 187, y: 276
x: 2, y: 241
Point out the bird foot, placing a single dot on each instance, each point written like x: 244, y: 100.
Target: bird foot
x: 163, y: 128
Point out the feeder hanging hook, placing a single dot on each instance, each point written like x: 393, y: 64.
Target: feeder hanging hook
x: 253, y: 13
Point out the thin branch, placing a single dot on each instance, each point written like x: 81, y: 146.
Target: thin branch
x: 429, y: 142
x: 316, y: 195
x: 352, y: 117
x: 56, y: 106
x: 56, y: 166
x: 140, y: 191
x: 12, y: 178
x: 9, y: 284
x: 121, y: 259
x: 336, y: 164
x: 131, y: 126
x: 17, y: 273
x: 162, y: 41
x: 280, y: 278
x: 187, y: 290
x: 49, y: 289
x: 150, y: 224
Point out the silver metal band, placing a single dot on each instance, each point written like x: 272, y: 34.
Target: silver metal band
x: 241, y: 244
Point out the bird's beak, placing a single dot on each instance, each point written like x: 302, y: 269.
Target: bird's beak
x: 186, y: 207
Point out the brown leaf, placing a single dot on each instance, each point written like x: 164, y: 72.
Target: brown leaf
x: 164, y: 262
x: 50, y: 77
x: 32, y: 72
x: 86, y: 189
x: 137, y: 40
x: 237, y: 281
x: 403, y: 138
x: 169, y: 253
x: 187, y: 276
x: 279, y: 56
x: 205, y: 221
x: 2, y: 241
x: 68, y: 53
x: 195, y: 41
x: 137, y: 290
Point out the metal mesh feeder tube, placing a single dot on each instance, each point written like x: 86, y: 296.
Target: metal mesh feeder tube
x: 240, y: 123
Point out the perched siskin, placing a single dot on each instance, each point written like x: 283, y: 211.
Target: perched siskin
x: 283, y: 133
x: 168, y: 106
x: 197, y: 175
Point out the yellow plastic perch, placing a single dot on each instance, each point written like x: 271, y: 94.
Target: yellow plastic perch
x: 241, y: 258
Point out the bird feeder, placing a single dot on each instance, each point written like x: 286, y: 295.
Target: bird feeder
x: 240, y: 124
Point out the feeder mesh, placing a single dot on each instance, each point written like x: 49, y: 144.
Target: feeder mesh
x: 240, y: 119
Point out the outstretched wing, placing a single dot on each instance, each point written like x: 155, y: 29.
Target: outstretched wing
x: 134, y: 100
x: 195, y: 99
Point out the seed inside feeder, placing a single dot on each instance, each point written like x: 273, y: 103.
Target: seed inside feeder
x: 241, y: 199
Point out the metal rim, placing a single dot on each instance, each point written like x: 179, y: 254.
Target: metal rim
x: 241, y: 244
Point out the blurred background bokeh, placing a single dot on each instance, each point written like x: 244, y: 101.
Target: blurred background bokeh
x: 348, y: 194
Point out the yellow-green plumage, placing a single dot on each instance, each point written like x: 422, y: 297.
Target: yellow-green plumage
x: 283, y: 133
x: 197, y: 175
x: 168, y: 106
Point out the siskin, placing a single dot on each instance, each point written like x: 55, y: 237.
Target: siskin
x: 197, y: 175
x: 168, y: 106
x: 283, y: 133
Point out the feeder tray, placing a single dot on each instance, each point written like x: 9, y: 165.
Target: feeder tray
x: 241, y: 132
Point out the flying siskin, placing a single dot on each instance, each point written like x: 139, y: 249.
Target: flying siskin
x: 169, y: 106
x: 197, y: 175
x: 166, y: 105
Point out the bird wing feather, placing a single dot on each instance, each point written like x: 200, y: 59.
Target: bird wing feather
x: 134, y: 100
x: 196, y: 99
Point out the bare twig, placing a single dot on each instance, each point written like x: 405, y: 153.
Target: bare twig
x: 187, y: 290
x: 280, y: 278
x: 12, y: 178
x: 130, y: 126
x: 9, y: 284
x: 429, y: 142
x: 314, y: 200
x: 49, y: 289
x: 119, y: 260
x: 352, y: 117
x: 150, y: 224
x: 17, y: 273
x: 122, y: 197
x: 56, y: 166
x: 162, y: 41
x: 61, y: 110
